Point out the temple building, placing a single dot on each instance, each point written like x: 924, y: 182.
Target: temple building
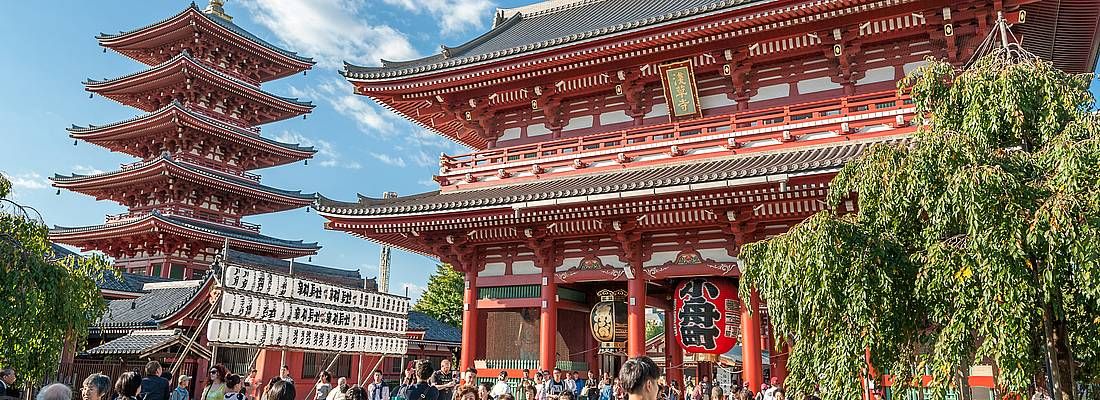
x: 197, y: 143
x: 633, y: 147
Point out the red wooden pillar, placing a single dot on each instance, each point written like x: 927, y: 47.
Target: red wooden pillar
x: 548, y: 322
x: 751, y: 354
x: 635, y: 318
x: 469, y: 321
x: 779, y: 360
x: 674, y: 354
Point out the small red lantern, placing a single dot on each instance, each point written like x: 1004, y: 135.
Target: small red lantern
x: 707, y: 317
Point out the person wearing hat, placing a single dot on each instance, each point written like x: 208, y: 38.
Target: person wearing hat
x: 180, y: 393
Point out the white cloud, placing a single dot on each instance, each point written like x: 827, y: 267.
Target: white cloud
x: 429, y: 183
x: 369, y: 117
x: 396, y: 161
x: 424, y: 160
x: 330, y: 31
x: 326, y: 156
x: 453, y: 15
x: 86, y: 170
x: 29, y: 180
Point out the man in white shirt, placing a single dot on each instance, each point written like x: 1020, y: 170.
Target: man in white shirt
x: 769, y: 394
x: 378, y: 390
x: 501, y: 387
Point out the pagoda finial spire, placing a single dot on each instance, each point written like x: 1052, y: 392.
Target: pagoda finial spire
x: 215, y: 9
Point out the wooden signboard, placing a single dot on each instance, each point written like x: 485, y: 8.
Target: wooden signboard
x: 681, y: 94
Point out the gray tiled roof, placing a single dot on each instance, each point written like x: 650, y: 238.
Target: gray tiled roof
x: 283, y: 266
x: 222, y: 22
x: 434, y: 329
x: 127, y: 282
x: 788, y: 162
x: 580, y: 20
x: 137, y: 343
x: 167, y: 158
x: 175, y: 105
x: 147, y: 309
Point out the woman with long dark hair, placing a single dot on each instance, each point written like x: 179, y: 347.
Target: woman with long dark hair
x: 217, y: 388
x: 127, y: 385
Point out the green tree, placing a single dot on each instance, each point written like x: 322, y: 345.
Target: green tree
x: 443, y: 297
x: 653, y: 329
x: 977, y: 239
x: 46, y: 301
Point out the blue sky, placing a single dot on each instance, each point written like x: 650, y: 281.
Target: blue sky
x: 50, y: 48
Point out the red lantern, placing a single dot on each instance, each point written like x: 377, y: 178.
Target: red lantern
x: 707, y: 317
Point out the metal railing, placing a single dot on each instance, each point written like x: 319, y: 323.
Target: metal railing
x: 703, y: 132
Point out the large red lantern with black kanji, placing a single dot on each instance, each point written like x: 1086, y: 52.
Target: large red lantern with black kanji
x: 707, y: 316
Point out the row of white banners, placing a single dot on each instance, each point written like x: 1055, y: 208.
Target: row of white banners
x: 264, y: 334
x: 277, y: 310
x: 277, y: 285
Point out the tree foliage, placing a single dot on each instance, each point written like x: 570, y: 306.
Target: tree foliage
x: 46, y: 299
x: 443, y: 298
x: 977, y: 240
x: 653, y: 329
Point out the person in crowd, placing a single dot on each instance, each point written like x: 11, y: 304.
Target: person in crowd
x: 340, y: 391
x: 760, y: 394
x: 607, y: 390
x: 444, y: 380
x: 704, y: 389
x: 566, y: 395
x: 378, y: 389
x: 716, y: 393
x: 578, y: 384
x: 280, y: 390
x: 423, y: 390
x: 591, y: 389
x: 215, y: 390
x: 506, y: 396
x: 620, y: 392
x: 284, y: 374
x: 780, y: 395
x: 153, y: 387
x: 501, y: 387
x: 483, y: 390
x: 540, y: 386
x: 180, y: 392
x: 570, y: 384
x: 127, y: 385
x: 673, y: 390
x: 689, y: 389
x: 469, y: 379
x: 769, y: 394
x: 638, y: 377
x: 234, y: 387
x: 268, y: 387
x: 252, y: 384
x: 323, y: 386
x: 95, y: 387
x: 556, y: 385
x: 7, y: 383
x: 531, y: 392
x: 521, y: 393
x: 467, y: 393
x: 56, y: 391
x: 356, y: 393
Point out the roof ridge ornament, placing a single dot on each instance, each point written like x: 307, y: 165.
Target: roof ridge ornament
x: 216, y: 9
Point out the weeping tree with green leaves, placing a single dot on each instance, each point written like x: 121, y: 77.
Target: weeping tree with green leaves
x: 442, y: 299
x: 46, y: 301
x: 977, y: 240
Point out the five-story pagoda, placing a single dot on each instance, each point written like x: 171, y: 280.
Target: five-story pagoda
x: 197, y: 143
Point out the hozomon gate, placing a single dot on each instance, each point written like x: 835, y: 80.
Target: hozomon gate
x: 584, y: 178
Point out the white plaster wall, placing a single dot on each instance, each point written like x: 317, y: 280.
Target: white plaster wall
x: 575, y: 123
x: 537, y: 130
x: 614, y: 117
x: 524, y: 268
x: 913, y: 65
x: 772, y: 92
x: 492, y: 269
x: 881, y: 74
x: 510, y: 133
x: 816, y: 85
x: 715, y: 101
x: 659, y: 110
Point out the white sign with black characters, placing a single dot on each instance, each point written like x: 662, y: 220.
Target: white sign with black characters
x: 277, y: 310
x: 264, y: 309
x: 264, y: 334
x: 263, y: 282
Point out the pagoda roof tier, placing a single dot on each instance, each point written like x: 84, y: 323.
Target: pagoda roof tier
x: 133, y: 185
x: 158, y: 42
x: 747, y: 179
x: 147, y: 135
x: 168, y: 233
x: 196, y: 84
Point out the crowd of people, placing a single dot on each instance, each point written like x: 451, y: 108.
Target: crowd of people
x: 421, y: 381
